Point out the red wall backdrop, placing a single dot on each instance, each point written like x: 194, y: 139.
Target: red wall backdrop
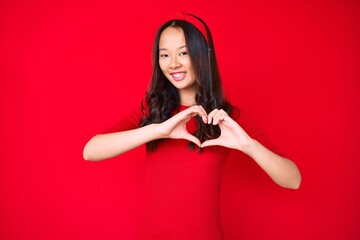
x: 72, y: 69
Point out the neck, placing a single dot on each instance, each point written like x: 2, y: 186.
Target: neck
x: 187, y: 97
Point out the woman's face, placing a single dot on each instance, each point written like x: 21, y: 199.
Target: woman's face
x: 174, y: 60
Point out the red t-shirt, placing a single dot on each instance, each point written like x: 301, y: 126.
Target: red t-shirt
x: 182, y: 186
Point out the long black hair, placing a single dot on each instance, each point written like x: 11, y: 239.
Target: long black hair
x: 162, y: 98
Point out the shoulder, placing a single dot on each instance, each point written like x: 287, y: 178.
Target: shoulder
x: 252, y: 128
x: 129, y: 119
x: 244, y: 120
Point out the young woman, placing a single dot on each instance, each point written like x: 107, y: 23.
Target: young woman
x: 189, y: 129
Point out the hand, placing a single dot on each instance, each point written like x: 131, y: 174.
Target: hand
x: 232, y: 135
x: 175, y: 127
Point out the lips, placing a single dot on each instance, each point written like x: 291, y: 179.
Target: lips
x: 178, y: 76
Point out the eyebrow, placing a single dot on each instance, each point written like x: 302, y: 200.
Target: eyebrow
x: 184, y: 46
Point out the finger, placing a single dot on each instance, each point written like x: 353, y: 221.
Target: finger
x: 204, y: 114
x: 219, y: 116
x: 199, y: 110
x: 219, y: 119
x: 205, y: 119
x: 211, y: 115
x: 193, y: 139
x: 202, y: 108
x: 213, y: 142
x: 191, y: 112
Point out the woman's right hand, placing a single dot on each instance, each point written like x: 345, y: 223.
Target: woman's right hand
x: 175, y: 127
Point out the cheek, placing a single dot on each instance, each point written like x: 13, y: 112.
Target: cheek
x: 162, y: 65
x: 190, y: 69
x: 189, y: 65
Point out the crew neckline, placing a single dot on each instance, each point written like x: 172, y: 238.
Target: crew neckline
x: 181, y: 106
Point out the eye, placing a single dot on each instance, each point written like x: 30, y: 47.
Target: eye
x: 164, y: 55
x: 183, y: 53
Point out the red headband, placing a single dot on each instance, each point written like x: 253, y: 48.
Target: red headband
x: 194, y: 21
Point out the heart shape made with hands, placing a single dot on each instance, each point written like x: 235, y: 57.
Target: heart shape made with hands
x: 231, y: 136
x: 218, y: 118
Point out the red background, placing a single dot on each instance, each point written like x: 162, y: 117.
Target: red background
x: 72, y: 69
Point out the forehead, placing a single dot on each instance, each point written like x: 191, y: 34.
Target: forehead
x: 172, y: 38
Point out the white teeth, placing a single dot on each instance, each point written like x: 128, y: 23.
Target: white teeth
x: 178, y: 76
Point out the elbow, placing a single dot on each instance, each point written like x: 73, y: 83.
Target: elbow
x: 297, y: 179
x: 86, y: 157
x: 294, y: 177
x: 292, y: 181
x: 88, y: 154
x: 296, y: 185
x: 91, y: 150
x: 89, y: 157
x: 295, y: 182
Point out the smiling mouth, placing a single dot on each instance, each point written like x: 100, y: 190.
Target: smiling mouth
x: 178, y: 76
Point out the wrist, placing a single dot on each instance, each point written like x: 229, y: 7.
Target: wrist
x: 249, y: 148
x: 156, y: 130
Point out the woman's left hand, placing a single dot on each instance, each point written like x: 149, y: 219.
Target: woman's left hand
x: 232, y: 135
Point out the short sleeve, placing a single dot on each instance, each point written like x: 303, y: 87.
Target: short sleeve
x: 254, y: 131
x: 128, y: 122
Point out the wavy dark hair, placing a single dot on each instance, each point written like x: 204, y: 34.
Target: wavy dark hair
x: 162, y: 98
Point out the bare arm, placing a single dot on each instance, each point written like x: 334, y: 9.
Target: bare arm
x: 104, y: 146
x: 281, y: 170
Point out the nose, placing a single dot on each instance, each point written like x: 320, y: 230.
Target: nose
x: 175, y: 64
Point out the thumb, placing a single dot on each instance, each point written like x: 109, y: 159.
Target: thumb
x: 212, y: 142
x: 193, y: 139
